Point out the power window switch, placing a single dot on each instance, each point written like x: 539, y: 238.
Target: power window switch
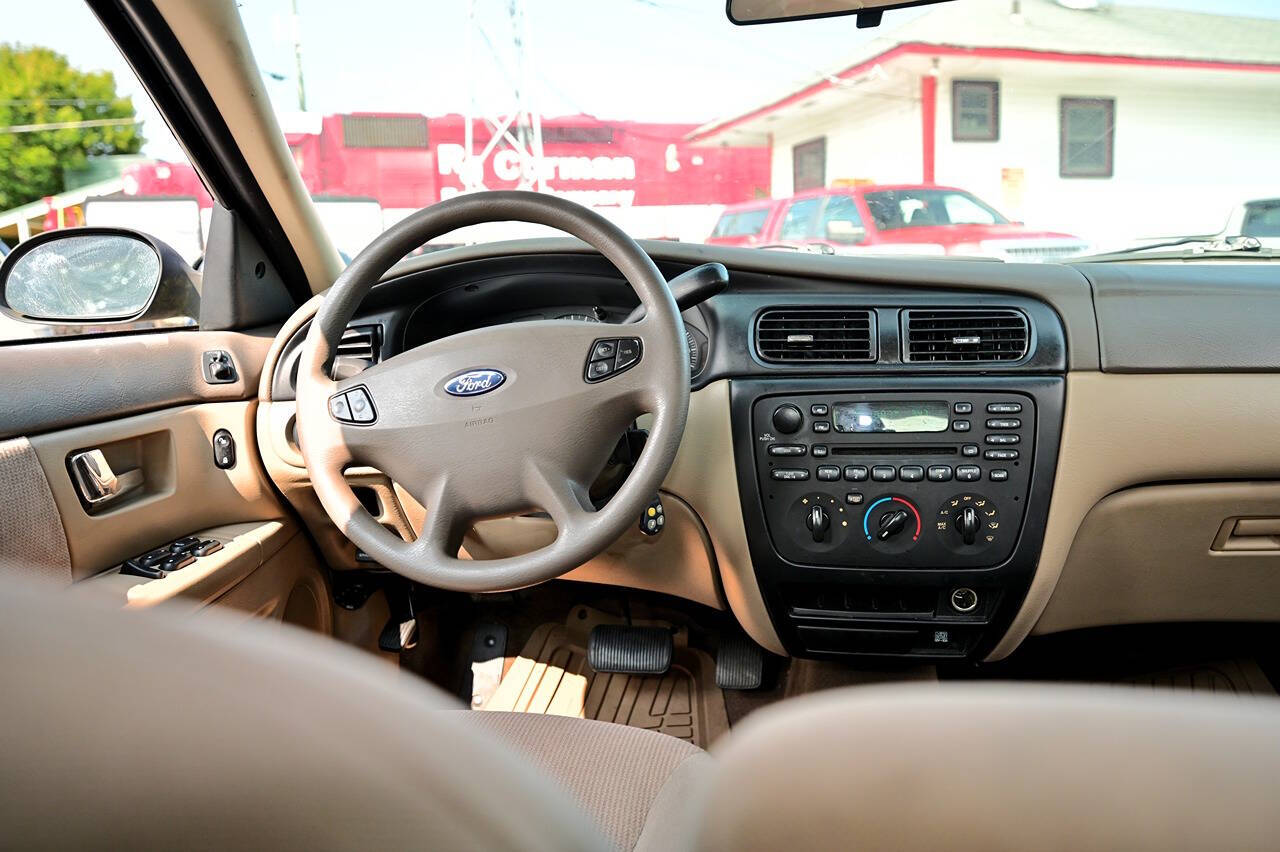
x: 206, y: 547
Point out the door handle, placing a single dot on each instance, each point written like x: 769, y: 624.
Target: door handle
x: 97, y: 482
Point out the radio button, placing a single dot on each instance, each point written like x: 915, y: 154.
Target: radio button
x: 822, y: 425
x: 1004, y: 423
x: 787, y: 449
x: 855, y: 473
x: 969, y: 451
x: 911, y: 473
x: 963, y: 408
x: 999, y: 475
x: 1003, y: 439
x: 1004, y: 408
x: 939, y: 473
x: 883, y: 473
x: 828, y: 473
x: 853, y: 498
x: 960, y: 425
x: 1001, y: 455
x: 968, y: 473
x: 819, y: 451
x: 790, y: 474
x: 818, y: 410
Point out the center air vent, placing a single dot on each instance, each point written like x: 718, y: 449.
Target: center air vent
x: 815, y: 335
x: 359, y: 350
x: 965, y: 335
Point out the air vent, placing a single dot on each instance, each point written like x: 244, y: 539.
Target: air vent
x: 815, y: 335
x: 965, y: 335
x: 360, y: 349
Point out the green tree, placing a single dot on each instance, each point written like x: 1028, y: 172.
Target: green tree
x: 39, y: 87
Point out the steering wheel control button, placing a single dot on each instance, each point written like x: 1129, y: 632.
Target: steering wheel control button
x: 855, y: 473
x: 939, y: 473
x: 340, y: 409
x: 968, y: 473
x: 884, y: 473
x: 790, y: 474
x: 787, y: 419
x: 787, y: 449
x: 911, y: 473
x: 361, y: 405
x: 610, y: 356
x: 828, y: 473
x: 654, y: 518
x: 1004, y: 408
x: 964, y: 600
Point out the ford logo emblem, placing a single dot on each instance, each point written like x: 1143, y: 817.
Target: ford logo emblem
x: 475, y: 382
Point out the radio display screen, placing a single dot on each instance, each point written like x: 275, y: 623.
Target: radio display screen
x: 895, y: 416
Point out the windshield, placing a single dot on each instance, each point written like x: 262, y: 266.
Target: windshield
x: 1014, y: 129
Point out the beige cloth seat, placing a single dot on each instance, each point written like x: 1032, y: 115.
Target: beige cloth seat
x: 150, y: 731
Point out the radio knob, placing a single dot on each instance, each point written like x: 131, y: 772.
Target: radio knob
x: 966, y: 523
x: 787, y: 419
x: 818, y: 522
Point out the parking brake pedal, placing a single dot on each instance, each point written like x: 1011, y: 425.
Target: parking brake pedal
x: 740, y: 663
x: 617, y: 649
x: 401, y: 630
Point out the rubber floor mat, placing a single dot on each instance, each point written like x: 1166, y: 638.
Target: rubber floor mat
x: 1239, y: 677
x: 551, y: 676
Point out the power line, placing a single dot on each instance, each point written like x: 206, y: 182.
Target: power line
x: 69, y: 125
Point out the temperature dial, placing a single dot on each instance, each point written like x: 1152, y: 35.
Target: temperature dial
x: 892, y: 524
x: 968, y: 523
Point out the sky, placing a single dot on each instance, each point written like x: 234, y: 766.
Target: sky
x: 651, y: 60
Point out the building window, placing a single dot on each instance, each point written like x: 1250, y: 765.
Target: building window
x: 1087, y: 144
x: 809, y: 165
x: 975, y: 111
x: 377, y: 131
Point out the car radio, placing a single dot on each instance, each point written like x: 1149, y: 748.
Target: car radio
x: 895, y: 480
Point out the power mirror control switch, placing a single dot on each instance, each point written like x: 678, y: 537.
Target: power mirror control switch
x: 218, y: 367
x: 224, y: 450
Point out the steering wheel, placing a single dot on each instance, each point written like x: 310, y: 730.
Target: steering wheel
x: 498, y: 420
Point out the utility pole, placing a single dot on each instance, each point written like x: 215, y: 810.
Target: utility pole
x: 297, y: 57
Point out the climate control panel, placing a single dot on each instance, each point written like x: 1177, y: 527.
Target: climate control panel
x: 888, y: 479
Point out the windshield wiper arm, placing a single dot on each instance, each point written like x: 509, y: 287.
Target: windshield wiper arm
x: 1200, y: 245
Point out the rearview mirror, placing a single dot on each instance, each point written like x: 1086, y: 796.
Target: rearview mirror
x: 76, y: 276
x: 869, y: 12
x: 845, y: 231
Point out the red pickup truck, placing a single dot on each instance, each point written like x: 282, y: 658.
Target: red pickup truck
x: 901, y: 219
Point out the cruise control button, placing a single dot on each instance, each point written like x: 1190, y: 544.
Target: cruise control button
x: 819, y: 451
x: 963, y: 408
x: 786, y: 449
x: 884, y: 473
x: 361, y: 405
x: 628, y: 352
x: 599, y: 369
x: 960, y: 425
x: 999, y: 475
x: 339, y: 408
x: 1004, y: 423
x: 1003, y: 439
x: 604, y: 349
x: 968, y: 473
x: 828, y: 473
x: 1000, y: 455
x: 1004, y: 408
x: 969, y: 450
x: 790, y: 474
x: 822, y: 425
x: 911, y: 473
x: 939, y: 473
x: 855, y: 473
x: 819, y: 410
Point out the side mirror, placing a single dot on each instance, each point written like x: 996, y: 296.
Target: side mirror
x: 845, y: 231
x: 98, y: 280
x: 869, y: 12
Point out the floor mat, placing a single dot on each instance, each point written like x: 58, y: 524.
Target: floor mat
x: 551, y: 676
x: 1239, y: 677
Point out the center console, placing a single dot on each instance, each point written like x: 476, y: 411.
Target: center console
x: 901, y: 521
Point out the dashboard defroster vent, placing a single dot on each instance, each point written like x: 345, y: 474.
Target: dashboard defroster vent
x: 815, y: 335
x: 965, y: 335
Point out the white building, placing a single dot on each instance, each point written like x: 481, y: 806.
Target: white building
x: 1115, y: 123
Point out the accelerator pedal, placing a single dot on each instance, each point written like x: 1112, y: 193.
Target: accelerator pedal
x: 740, y: 663
x: 617, y: 649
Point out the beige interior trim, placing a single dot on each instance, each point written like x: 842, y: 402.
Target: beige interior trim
x: 33, y: 543
x: 182, y: 488
x: 227, y: 68
x: 1121, y: 430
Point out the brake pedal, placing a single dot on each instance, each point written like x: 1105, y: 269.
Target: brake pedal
x: 739, y: 664
x: 616, y: 649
